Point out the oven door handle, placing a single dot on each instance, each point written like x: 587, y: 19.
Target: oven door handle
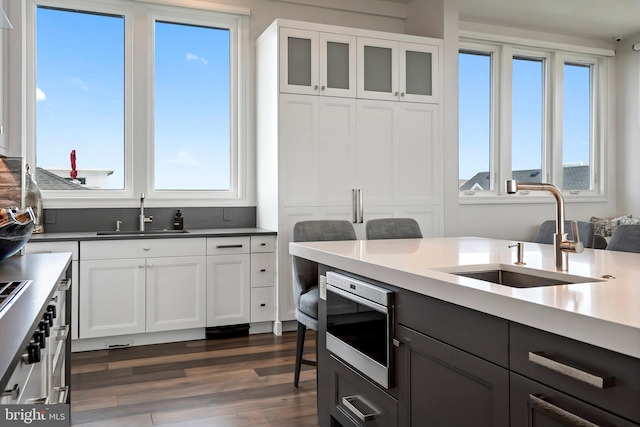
x: 362, y: 301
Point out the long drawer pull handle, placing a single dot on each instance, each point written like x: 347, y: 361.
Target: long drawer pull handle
x: 63, y: 332
x: 228, y: 246
x: 346, y: 401
x: 65, y: 285
x: 568, y: 417
x: 540, y: 358
x: 63, y: 392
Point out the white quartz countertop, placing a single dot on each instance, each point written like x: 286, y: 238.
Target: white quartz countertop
x: 603, y: 311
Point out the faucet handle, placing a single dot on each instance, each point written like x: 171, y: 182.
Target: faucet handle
x: 577, y: 244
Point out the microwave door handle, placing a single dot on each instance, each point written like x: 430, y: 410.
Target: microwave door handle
x: 358, y: 299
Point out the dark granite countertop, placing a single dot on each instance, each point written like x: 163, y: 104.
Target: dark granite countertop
x: 19, y: 318
x: 191, y: 233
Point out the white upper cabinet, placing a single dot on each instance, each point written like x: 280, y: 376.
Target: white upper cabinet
x: 397, y: 71
x: 317, y: 63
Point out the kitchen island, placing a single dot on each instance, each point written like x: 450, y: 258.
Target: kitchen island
x: 597, y: 318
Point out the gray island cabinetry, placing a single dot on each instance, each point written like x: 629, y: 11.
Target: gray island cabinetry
x: 467, y: 352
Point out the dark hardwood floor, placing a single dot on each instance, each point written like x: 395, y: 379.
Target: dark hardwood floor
x: 230, y: 382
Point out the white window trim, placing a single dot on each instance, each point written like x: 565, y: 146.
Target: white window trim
x: 139, y: 179
x: 501, y: 140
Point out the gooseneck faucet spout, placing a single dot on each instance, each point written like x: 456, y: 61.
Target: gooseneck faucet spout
x: 562, y: 245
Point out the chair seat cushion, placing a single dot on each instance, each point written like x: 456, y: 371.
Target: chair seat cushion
x: 309, y: 302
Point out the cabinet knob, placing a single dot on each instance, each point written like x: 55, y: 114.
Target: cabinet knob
x: 396, y: 343
x: 395, y: 93
x: 315, y: 87
x: 262, y: 270
x: 141, y: 266
x: 401, y: 93
x: 322, y: 88
x: 146, y: 249
x: 263, y: 305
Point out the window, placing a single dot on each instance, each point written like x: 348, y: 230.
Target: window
x: 523, y: 117
x: 79, y: 100
x: 527, y: 118
x: 123, y: 106
x: 474, y: 111
x: 577, y: 127
x: 192, y: 144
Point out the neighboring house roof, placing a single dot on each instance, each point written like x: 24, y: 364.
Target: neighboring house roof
x: 50, y: 181
x: 574, y: 178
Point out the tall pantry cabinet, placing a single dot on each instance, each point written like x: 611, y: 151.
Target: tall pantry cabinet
x: 348, y: 127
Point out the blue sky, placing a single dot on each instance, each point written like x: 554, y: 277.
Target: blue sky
x: 81, y: 104
x: 474, y: 132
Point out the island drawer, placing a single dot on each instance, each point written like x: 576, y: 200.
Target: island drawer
x: 601, y: 377
x: 534, y: 404
x: 355, y: 401
x: 477, y: 333
x: 262, y: 243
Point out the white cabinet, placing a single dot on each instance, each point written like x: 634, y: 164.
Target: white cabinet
x: 397, y: 71
x: 376, y: 155
x: 228, y: 280
x: 112, y: 297
x: 262, y: 278
x: 240, y: 280
x: 317, y: 63
x: 142, y: 285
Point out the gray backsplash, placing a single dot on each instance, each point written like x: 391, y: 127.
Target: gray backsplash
x: 104, y: 219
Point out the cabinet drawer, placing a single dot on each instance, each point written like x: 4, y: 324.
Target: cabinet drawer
x: 533, y: 404
x: 262, y: 304
x: 52, y: 247
x: 262, y: 243
x: 601, y: 377
x: 228, y: 245
x: 141, y: 248
x: 262, y: 270
x: 357, y: 402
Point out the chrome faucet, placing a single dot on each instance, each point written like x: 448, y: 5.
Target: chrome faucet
x: 561, y: 243
x: 143, y: 218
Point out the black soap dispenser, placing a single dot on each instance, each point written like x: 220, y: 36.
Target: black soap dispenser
x: 178, y: 220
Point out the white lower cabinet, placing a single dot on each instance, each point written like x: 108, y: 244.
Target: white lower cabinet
x: 228, y: 296
x: 136, y: 286
x: 176, y: 289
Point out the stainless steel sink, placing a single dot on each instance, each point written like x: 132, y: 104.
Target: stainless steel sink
x: 139, y: 233
x: 508, y: 276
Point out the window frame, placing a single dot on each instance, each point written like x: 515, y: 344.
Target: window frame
x: 557, y: 55
x: 140, y: 18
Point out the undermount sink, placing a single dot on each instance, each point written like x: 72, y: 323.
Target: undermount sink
x: 139, y: 233
x: 507, y: 276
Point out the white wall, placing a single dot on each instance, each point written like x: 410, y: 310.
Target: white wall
x: 628, y: 119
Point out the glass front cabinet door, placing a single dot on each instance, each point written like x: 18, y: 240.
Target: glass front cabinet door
x: 316, y: 63
x: 397, y: 71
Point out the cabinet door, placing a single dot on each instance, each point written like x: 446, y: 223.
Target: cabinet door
x: 399, y: 154
x: 418, y: 72
x: 337, y: 65
x: 536, y: 405
x: 112, y: 297
x: 228, y: 289
x: 176, y: 293
x: 299, y: 61
x: 337, y: 159
x: 439, y: 385
x: 299, y: 166
x: 377, y: 69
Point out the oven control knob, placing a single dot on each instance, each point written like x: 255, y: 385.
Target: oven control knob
x: 32, y: 355
x: 52, y: 309
x: 44, y: 325
x: 48, y: 316
x: 40, y: 338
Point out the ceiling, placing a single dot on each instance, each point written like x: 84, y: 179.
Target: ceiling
x: 596, y: 19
